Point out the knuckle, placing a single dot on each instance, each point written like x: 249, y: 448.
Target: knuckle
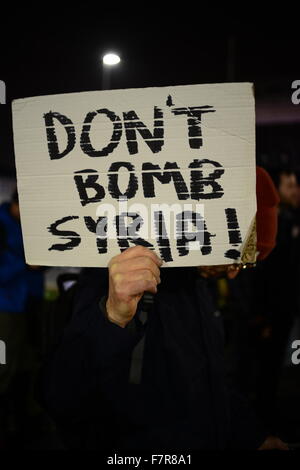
x: 150, y: 282
x: 138, y: 248
x: 146, y: 274
x: 141, y: 248
x: 114, y: 267
x: 112, y: 261
x: 156, y: 269
x: 144, y: 283
x: 117, y: 277
x: 147, y: 261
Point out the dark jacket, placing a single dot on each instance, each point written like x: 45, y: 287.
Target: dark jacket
x: 17, y: 281
x: 182, y: 401
x: 13, y: 271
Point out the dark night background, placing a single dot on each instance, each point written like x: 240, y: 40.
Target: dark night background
x: 50, y: 50
x: 53, y: 49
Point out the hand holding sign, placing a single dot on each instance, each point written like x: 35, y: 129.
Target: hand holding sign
x: 132, y: 273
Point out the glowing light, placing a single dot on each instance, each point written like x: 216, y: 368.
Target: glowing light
x: 111, y: 59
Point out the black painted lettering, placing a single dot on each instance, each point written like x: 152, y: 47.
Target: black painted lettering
x: 53, y: 147
x: 74, y: 237
x: 99, y: 228
x: 170, y: 172
x: 113, y: 177
x: 199, y: 182
x: 162, y: 236
x: 194, y: 115
x: 155, y: 140
x: 184, y: 236
x: 83, y: 183
x: 85, y: 141
x: 128, y: 233
x: 234, y: 233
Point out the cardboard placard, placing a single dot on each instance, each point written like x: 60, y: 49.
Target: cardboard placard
x: 171, y: 168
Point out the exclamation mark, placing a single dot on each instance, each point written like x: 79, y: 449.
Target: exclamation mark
x: 233, y: 232
x: 169, y: 101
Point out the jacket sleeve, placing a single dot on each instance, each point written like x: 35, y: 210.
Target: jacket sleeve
x: 11, y: 266
x: 92, y: 356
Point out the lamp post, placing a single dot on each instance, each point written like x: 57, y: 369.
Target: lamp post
x: 109, y: 60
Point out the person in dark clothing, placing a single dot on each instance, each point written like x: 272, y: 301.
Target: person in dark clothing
x: 18, y: 283
x: 266, y: 301
x: 280, y: 301
x: 182, y: 401
x: 117, y: 380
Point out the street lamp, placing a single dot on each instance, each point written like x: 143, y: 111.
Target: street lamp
x: 108, y: 60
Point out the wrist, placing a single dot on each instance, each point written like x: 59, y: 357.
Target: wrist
x: 112, y: 317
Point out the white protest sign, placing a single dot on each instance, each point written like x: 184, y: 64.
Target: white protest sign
x: 171, y: 168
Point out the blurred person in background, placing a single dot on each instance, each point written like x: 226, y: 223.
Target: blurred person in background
x: 20, y: 286
x: 265, y: 301
x: 281, y: 274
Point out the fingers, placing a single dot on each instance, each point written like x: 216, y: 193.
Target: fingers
x: 135, y: 259
x: 134, y: 252
x: 138, y: 275
x: 282, y: 445
x: 127, y: 266
x: 273, y: 442
x: 133, y: 272
x: 139, y: 287
x: 128, y: 284
x: 126, y: 290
